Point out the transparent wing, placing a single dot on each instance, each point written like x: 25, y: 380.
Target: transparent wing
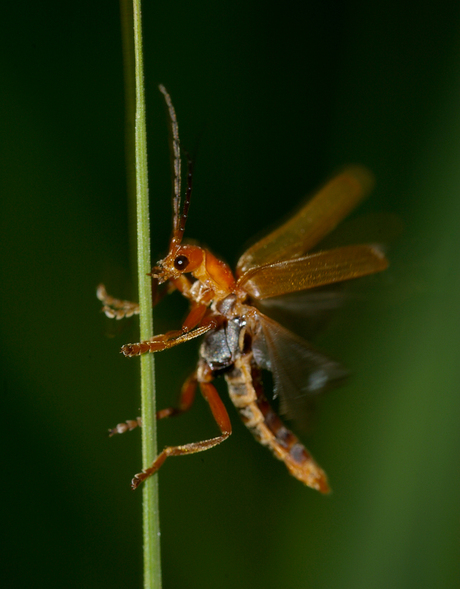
x: 306, y: 312
x: 320, y: 269
x: 300, y: 372
x: 315, y: 220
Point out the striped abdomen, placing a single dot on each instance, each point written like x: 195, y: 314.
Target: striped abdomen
x: 246, y: 392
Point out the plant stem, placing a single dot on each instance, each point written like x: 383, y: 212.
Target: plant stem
x: 151, y: 520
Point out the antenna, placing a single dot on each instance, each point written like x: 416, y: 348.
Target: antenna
x: 188, y: 193
x: 178, y: 218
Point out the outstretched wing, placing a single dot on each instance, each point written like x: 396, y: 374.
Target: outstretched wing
x: 319, y: 269
x: 313, y: 222
x: 299, y: 371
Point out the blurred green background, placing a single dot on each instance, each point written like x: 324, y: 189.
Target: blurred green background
x: 273, y: 98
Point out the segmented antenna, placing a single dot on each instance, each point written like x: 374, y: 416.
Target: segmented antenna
x: 188, y: 193
x: 178, y: 225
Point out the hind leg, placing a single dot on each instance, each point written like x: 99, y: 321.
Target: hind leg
x: 223, y: 421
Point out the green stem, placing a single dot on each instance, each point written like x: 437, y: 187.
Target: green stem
x: 151, y: 520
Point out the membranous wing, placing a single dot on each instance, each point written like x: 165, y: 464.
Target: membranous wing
x: 300, y: 372
x: 313, y: 222
x: 306, y: 312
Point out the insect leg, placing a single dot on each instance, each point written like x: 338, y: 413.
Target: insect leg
x: 223, y: 421
x: 159, y: 343
x: 194, y: 317
x: 167, y: 340
x: 187, y: 396
x: 116, y: 308
x: 125, y: 426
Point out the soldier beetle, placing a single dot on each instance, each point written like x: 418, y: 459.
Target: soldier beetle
x: 239, y: 340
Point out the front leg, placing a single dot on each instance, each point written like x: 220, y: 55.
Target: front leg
x: 119, y: 309
x: 115, y: 308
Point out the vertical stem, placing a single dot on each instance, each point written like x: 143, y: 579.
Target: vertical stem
x: 151, y: 523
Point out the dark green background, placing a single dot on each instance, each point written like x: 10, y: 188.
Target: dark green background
x: 277, y: 96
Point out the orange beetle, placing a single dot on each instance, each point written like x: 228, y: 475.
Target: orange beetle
x: 239, y: 340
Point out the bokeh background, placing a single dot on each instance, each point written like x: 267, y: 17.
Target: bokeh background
x: 272, y: 98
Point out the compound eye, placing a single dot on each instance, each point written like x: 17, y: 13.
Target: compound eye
x: 181, y: 263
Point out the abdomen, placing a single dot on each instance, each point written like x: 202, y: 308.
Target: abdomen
x: 246, y: 392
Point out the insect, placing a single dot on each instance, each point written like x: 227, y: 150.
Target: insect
x: 239, y: 339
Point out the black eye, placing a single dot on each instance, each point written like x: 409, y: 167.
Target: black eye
x: 180, y: 263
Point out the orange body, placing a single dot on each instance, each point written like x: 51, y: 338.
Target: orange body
x: 239, y: 340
